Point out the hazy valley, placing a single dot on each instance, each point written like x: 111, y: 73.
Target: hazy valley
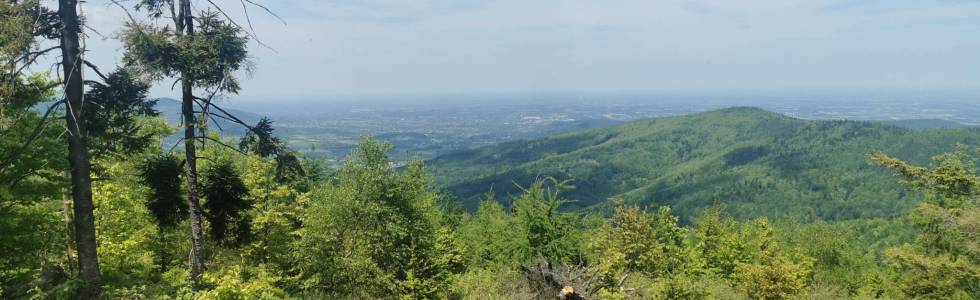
x: 431, y: 126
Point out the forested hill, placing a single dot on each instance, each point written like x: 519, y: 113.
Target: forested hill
x: 923, y: 124
x: 755, y: 162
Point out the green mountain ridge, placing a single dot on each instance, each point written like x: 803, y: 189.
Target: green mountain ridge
x: 925, y: 124
x: 754, y: 162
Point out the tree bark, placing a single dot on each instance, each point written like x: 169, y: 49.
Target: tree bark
x: 78, y: 160
x: 193, y: 201
x: 185, y: 25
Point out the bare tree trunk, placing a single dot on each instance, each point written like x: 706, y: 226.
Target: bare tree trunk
x: 193, y: 202
x: 185, y: 25
x: 78, y: 160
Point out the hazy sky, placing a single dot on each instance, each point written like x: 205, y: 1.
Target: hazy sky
x: 349, y: 47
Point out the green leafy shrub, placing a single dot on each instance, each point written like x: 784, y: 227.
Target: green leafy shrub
x: 377, y: 232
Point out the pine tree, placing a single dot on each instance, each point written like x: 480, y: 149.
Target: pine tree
x: 944, y: 260
x: 203, y: 51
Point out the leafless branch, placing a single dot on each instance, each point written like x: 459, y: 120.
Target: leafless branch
x: 216, y: 123
x: 223, y: 144
x: 175, y: 145
x: 96, y: 31
x: 267, y: 10
x: 30, y: 58
x: 230, y: 116
x: 34, y: 135
x: 96, y: 69
x: 224, y: 118
x: 232, y: 21
x: 30, y: 172
x: 92, y: 82
x: 248, y: 18
x: 129, y: 15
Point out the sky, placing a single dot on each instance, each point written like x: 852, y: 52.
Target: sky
x: 337, y: 48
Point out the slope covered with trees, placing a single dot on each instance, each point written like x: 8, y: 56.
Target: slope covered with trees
x: 371, y: 230
x: 95, y: 206
x: 756, y: 162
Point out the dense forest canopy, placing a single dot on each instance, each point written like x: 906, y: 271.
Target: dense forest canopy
x: 371, y: 230
x: 756, y: 162
x: 733, y: 204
